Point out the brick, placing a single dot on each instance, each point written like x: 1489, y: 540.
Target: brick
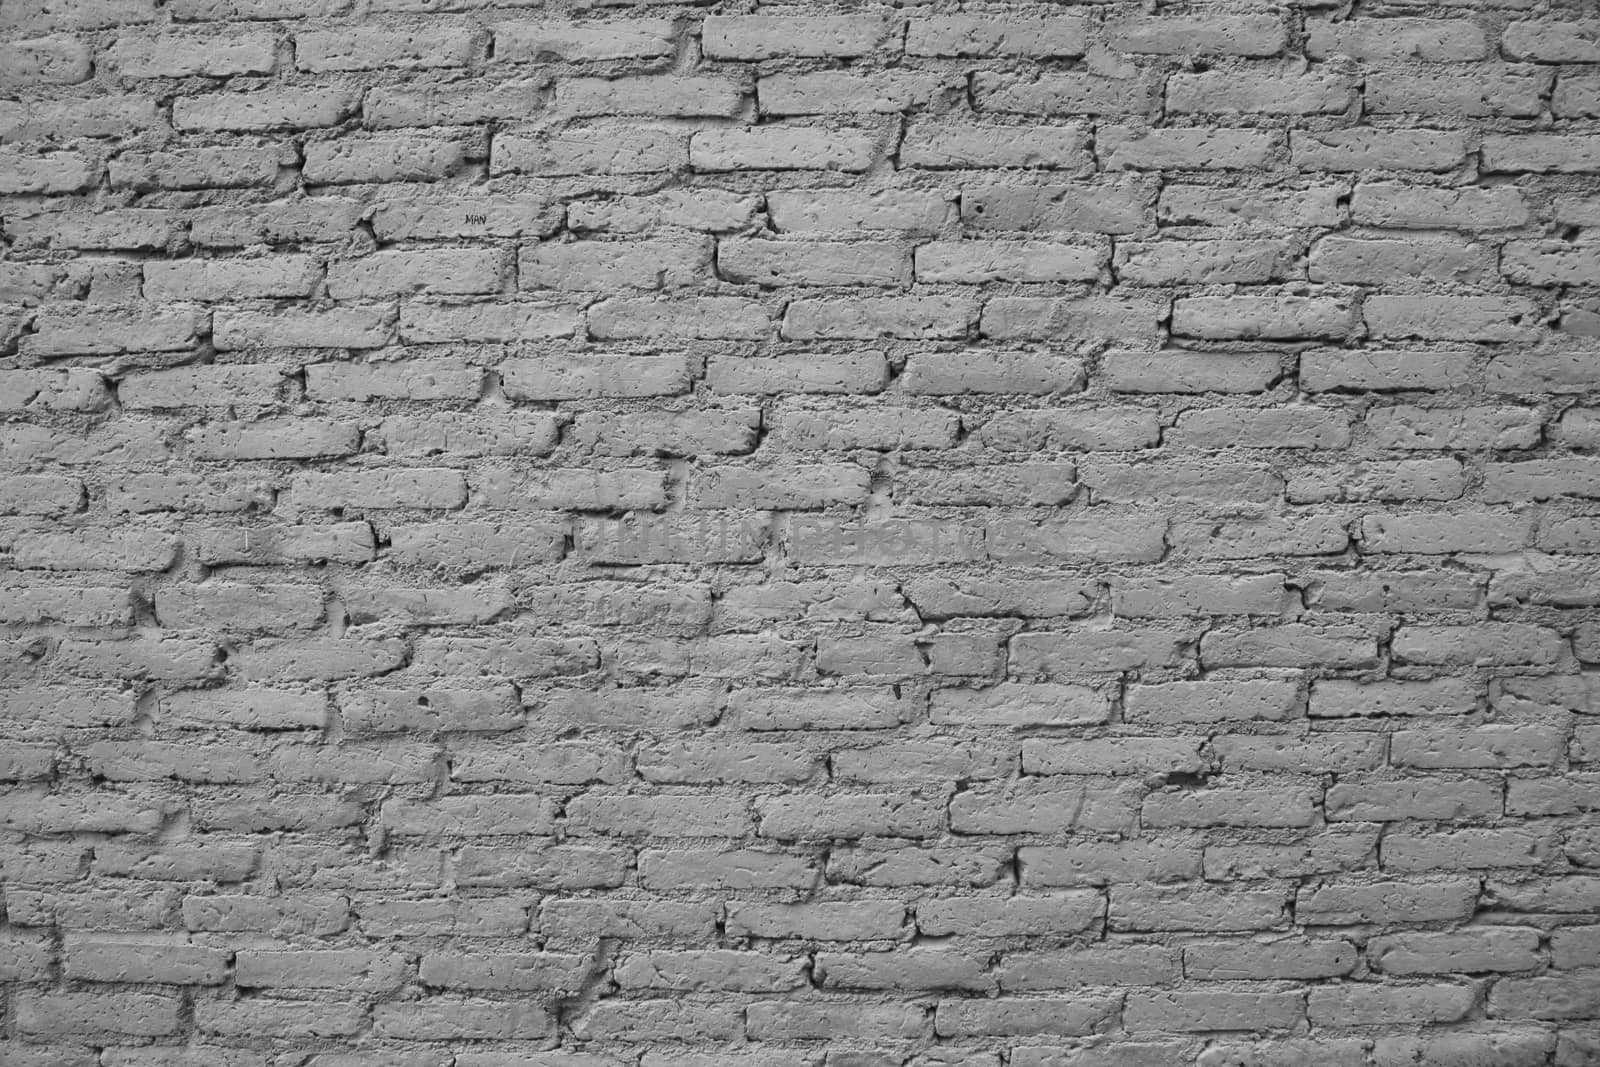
x: 1552, y: 997
x: 767, y: 36
x: 1463, y: 318
x: 463, y: 217
x: 1384, y: 40
x: 780, y: 263
x: 951, y: 147
x: 1414, y: 798
x: 58, y: 60
x: 1407, y: 426
x: 195, y: 168
x: 671, y: 97
x: 333, y: 969
x: 1023, y: 1017
x: 1286, y: 427
x: 1541, y: 153
x: 1223, y: 960
x: 231, y: 279
x: 1382, y: 590
x: 370, y: 48
x: 912, y: 865
x: 1235, y: 35
x: 303, y: 221
x: 1235, y: 92
x: 711, y: 317
x: 1059, y: 94
x: 593, y: 150
x: 1320, y: 752
x: 1469, y: 532
x: 522, y: 42
x: 399, y: 380
x: 282, y: 109
x: 970, y: 35
x: 1143, y: 965
x: 845, y: 93
x: 714, y: 210
x: 1115, y: 207
x: 1183, y: 149
x: 833, y: 211
x: 1441, y: 479
x: 1550, y: 42
x: 1346, y: 902
x: 1409, y: 207
x: 689, y: 970
x: 110, y: 1015
x: 1142, y: 480
x: 186, y: 55
x: 1335, y: 698
x: 1037, y: 318
x: 1569, y: 894
x: 1202, y: 262
x: 977, y: 262
x: 869, y: 318
x: 129, y: 549
x: 1465, y: 849
x: 985, y: 916
x: 1508, y: 95
x: 1484, y: 643
x: 1323, y: 370
x: 1576, y: 97
x: 38, y: 15
x: 1258, y: 317
x: 1484, y: 949
x: 131, y: 228
x: 1484, y: 746
x: 860, y: 920
x: 779, y: 148
x: 54, y: 172
x: 348, y: 327
x: 952, y: 374
x: 1031, y: 805
x: 608, y: 266
x: 1152, y: 908
x: 463, y: 103
x: 1316, y: 204
x: 1361, y: 150
x: 1206, y: 1010
x: 1359, y: 261
x: 383, y: 159
x: 1201, y: 702
x: 1229, y: 807
x: 111, y: 330
x: 1356, y: 1004
x: 454, y: 271
x: 1120, y: 538
x: 259, y: 1017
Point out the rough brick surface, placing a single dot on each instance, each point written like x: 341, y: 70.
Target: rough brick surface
x: 635, y: 533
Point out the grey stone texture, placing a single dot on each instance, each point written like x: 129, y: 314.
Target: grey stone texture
x: 633, y: 533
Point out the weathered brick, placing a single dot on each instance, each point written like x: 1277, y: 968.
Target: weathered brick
x: 1357, y: 1004
x: 1234, y: 92
x: 1430, y: 40
x: 195, y: 168
x: 780, y: 148
x: 767, y: 36
x: 1234, y: 35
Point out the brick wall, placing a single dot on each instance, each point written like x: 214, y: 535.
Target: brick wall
x: 670, y: 536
